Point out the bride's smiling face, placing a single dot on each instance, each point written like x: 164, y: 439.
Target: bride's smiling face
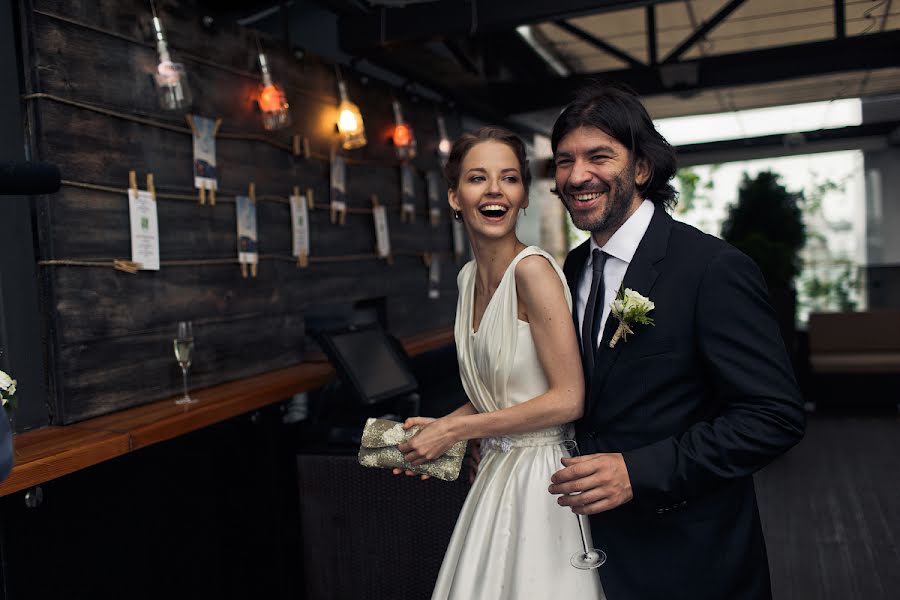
x: 490, y: 190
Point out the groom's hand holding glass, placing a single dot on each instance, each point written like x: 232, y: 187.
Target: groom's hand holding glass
x: 597, y: 482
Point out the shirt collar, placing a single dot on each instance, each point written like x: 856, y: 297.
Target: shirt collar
x: 624, y: 242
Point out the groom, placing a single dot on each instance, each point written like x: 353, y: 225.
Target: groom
x: 679, y: 414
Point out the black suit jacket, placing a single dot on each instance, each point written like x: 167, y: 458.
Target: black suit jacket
x: 696, y: 404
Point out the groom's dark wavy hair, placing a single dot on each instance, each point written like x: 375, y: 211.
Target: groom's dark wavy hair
x: 616, y: 110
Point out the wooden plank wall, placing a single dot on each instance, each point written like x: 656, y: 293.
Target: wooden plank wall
x: 109, y: 332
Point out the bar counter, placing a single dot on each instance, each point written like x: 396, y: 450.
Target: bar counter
x: 50, y: 452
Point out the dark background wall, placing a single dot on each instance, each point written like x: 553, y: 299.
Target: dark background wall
x: 108, y: 333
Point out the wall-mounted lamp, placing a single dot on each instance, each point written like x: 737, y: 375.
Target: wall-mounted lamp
x: 444, y: 143
x: 350, y: 122
x: 171, y: 78
x: 272, y: 101
x: 403, y: 136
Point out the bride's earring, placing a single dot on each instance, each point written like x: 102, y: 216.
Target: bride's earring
x: 457, y: 214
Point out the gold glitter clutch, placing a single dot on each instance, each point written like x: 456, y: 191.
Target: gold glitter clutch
x: 380, y: 439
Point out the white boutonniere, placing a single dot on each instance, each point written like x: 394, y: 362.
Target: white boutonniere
x: 629, y: 308
x: 7, y: 391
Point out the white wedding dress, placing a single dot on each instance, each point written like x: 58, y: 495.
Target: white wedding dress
x: 512, y: 540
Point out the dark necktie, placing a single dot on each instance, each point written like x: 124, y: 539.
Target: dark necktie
x: 593, y: 310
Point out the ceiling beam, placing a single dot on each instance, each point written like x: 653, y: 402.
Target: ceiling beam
x: 703, y: 30
x: 869, y: 136
x: 435, y: 79
x: 458, y: 18
x: 871, y: 51
x: 599, y: 43
x: 650, y: 26
x: 840, y: 22
x: 462, y: 59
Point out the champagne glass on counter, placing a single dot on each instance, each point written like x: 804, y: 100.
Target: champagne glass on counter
x: 184, y: 349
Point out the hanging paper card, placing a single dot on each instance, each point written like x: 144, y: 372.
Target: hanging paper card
x: 382, y: 237
x: 407, y: 195
x: 300, y: 226
x: 435, y: 182
x: 434, y: 277
x: 459, y: 238
x: 205, y: 175
x: 338, y: 190
x: 248, y: 249
x: 144, y: 229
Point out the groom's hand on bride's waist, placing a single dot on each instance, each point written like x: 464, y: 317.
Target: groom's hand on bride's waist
x: 592, y: 483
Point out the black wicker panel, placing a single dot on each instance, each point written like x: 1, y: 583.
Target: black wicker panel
x: 369, y: 534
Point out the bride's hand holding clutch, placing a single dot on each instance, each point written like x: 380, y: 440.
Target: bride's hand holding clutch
x: 434, y: 439
x: 406, y: 425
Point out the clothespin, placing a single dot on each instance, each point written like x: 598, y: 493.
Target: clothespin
x: 310, y: 204
x: 132, y: 181
x: 126, y: 266
x: 150, y: 187
x: 407, y: 213
x: 300, y: 146
x: 426, y: 258
x: 338, y: 215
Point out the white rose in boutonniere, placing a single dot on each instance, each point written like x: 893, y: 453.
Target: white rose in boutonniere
x: 629, y: 308
x: 7, y: 391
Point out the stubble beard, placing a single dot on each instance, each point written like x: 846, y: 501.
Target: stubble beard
x: 616, y: 210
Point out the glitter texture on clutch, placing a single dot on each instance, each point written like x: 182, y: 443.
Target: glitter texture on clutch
x: 379, y: 449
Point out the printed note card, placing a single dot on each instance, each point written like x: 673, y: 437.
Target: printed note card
x: 144, y: 229
x: 248, y: 245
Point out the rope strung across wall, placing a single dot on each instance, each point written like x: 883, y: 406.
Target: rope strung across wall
x: 130, y: 267
x: 227, y: 198
x: 299, y: 145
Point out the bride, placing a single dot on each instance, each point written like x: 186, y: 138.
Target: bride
x: 521, y: 370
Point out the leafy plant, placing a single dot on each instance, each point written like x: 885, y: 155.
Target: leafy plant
x: 766, y: 223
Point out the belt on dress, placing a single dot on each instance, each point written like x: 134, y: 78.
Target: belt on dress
x: 538, y: 438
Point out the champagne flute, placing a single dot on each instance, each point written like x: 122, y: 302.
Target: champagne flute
x: 184, y: 348
x: 586, y: 558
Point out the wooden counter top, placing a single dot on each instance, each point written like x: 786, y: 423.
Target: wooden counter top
x: 51, y: 452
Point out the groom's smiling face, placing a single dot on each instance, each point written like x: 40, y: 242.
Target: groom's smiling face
x: 597, y: 180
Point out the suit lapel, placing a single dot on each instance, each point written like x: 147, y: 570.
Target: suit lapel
x: 572, y: 270
x: 640, y: 276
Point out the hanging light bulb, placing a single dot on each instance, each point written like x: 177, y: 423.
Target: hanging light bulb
x: 350, y: 122
x: 444, y: 143
x: 171, y: 78
x: 272, y: 101
x: 404, y: 138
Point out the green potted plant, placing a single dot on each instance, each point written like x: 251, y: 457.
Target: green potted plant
x: 766, y: 223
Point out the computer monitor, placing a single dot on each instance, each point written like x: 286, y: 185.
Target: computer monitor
x: 368, y: 361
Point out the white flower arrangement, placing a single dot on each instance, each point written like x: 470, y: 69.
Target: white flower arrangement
x: 7, y: 391
x: 629, y: 307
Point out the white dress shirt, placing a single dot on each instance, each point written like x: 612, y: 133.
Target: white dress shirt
x: 620, y: 249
